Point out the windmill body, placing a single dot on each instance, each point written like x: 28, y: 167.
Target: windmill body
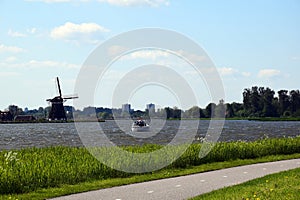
x: 57, y: 111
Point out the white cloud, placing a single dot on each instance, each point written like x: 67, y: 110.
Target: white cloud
x: 191, y: 57
x: 11, y: 59
x: 155, y: 54
x: 146, y: 54
x: 15, y: 33
x: 8, y: 74
x: 116, y: 50
x: 246, y: 74
x: 268, y: 73
x: 49, y: 63
x: 296, y: 58
x: 85, y: 32
x: 40, y: 64
x: 152, y: 3
x: 226, y: 71
x: 53, y: 1
x: 32, y: 30
x: 10, y: 49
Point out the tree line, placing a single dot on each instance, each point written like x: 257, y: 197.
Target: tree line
x: 261, y: 102
x: 257, y: 102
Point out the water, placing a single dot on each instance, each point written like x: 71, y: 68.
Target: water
x: 17, y: 136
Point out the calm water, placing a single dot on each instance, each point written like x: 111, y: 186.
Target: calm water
x: 16, y: 136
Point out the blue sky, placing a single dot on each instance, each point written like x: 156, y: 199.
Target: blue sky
x: 250, y: 42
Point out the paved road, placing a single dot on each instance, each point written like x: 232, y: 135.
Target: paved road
x: 186, y: 186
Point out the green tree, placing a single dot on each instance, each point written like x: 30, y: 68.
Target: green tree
x: 210, y: 110
x: 295, y: 102
x: 176, y: 113
x: 284, y: 101
x: 269, y: 110
x: 193, y: 112
x: 247, y: 100
x: 255, y: 100
x: 220, y: 110
x: 230, y: 112
x: 168, y: 112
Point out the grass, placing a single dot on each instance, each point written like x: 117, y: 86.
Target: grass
x: 284, y: 185
x: 265, y: 119
x: 65, y: 189
x: 65, y: 170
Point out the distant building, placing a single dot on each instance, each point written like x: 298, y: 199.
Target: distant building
x: 126, y: 108
x: 150, y: 107
x: 89, y: 110
x: 24, y: 118
x: 13, y: 110
x: 5, y: 116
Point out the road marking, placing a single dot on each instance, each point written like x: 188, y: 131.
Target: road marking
x: 225, y: 176
x: 202, y: 181
x: 118, y: 199
x: 245, y: 172
x: 150, y: 192
x: 177, y: 185
x: 265, y: 169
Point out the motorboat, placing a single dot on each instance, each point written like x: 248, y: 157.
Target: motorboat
x: 140, y: 126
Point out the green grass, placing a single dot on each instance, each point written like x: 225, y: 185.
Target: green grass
x: 284, y: 185
x: 65, y: 189
x: 38, y: 169
x: 265, y: 119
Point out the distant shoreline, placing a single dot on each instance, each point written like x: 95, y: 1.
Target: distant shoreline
x: 262, y: 119
x: 46, y: 121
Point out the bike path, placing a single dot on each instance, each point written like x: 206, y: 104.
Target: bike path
x: 185, y: 187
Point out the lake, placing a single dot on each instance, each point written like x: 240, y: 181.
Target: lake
x: 17, y: 136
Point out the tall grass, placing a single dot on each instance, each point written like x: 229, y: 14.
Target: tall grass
x: 26, y: 170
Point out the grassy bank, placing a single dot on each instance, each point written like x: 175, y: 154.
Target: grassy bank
x: 271, y: 119
x: 46, y: 193
x: 284, y: 185
x: 29, y: 170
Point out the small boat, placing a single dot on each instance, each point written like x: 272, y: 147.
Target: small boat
x: 140, y: 126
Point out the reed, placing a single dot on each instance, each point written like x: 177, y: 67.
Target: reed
x: 26, y: 170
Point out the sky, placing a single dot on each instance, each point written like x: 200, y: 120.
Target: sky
x: 250, y: 43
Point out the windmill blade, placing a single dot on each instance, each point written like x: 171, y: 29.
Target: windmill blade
x: 73, y: 96
x: 58, y: 85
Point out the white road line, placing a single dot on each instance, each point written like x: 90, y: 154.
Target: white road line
x: 225, y: 176
x: 150, y: 192
x: 202, y: 181
x: 177, y: 185
x: 245, y: 172
x: 264, y: 169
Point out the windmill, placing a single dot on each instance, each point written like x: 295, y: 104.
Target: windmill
x: 57, y: 111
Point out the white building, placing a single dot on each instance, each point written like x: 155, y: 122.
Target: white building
x: 126, y: 108
x: 150, y: 107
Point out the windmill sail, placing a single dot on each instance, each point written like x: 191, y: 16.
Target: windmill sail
x: 58, y: 86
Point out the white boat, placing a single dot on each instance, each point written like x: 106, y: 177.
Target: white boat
x: 140, y: 126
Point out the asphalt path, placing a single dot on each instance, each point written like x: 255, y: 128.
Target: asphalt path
x: 185, y: 187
